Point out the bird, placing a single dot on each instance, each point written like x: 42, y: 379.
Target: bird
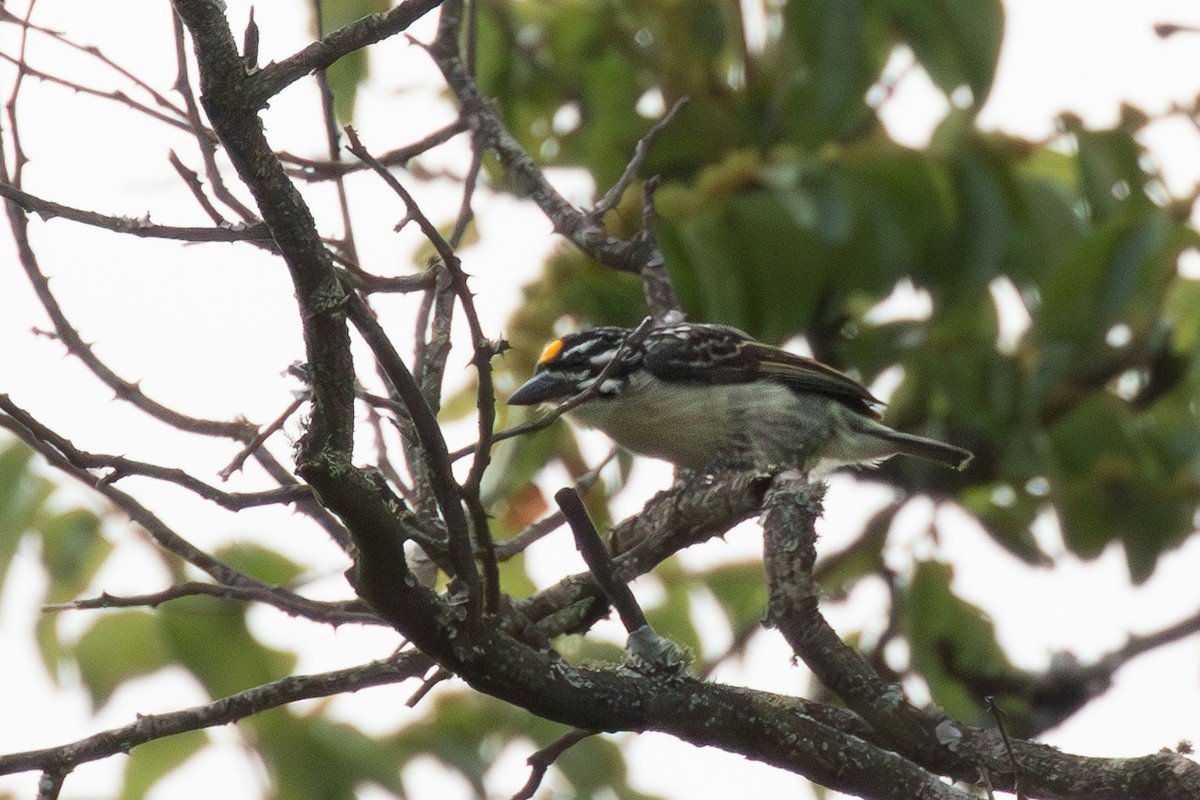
x: 709, y: 397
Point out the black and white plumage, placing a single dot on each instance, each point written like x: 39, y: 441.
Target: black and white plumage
x: 710, y: 397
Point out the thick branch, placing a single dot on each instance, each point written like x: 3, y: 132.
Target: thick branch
x: 932, y: 740
x: 227, y: 98
x: 779, y: 731
x: 272, y: 79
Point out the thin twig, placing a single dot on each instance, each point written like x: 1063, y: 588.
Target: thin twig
x: 1001, y: 723
x: 141, y: 227
x: 206, y: 141
x: 149, y: 727
x: 313, y: 171
x: 542, y: 760
x: 333, y: 140
x: 427, y: 685
x: 315, y: 610
x: 589, y: 545
x: 613, y: 196
x: 261, y: 437
x: 483, y: 351
x: 429, y: 432
x: 15, y: 420
x: 192, y: 181
x: 510, y: 548
x: 51, y: 783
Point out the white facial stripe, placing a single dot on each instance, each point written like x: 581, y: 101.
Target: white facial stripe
x: 610, y: 386
x: 602, y: 358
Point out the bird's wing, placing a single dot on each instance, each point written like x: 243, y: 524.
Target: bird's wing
x: 732, y: 357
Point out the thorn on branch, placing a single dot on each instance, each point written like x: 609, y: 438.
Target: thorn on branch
x: 250, y: 44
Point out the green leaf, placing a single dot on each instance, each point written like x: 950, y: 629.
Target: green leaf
x: 209, y: 637
x: 957, y: 41
x: 672, y: 617
x: 72, y: 551
x: 1110, y: 169
x: 953, y: 643
x: 22, y: 495
x: 1007, y: 514
x: 260, y: 562
x: 838, y: 572
x: 1123, y: 270
x: 1135, y: 482
x: 832, y: 52
x: 150, y: 762
x: 345, y: 74
x: 741, y: 589
x: 120, y: 646
x: 313, y: 758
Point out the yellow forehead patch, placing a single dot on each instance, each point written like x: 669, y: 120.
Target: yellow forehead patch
x: 551, y: 351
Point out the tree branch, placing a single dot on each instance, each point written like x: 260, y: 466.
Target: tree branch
x: 149, y: 727
x: 930, y: 739
x: 272, y: 79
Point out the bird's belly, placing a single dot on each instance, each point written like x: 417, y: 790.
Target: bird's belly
x: 706, y: 426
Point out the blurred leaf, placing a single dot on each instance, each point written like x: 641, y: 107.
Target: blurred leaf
x: 314, y: 758
x: 72, y: 552
x: 209, y: 637
x: 345, y: 74
x: 596, y: 768
x: 1110, y: 170
x: 22, y: 495
x: 741, y: 589
x: 1116, y: 275
x: 148, y: 763
x: 1006, y: 514
x: 1133, y: 483
x: 259, y: 562
x: 838, y: 572
x: 833, y: 51
x: 953, y: 643
x: 121, y: 645
x: 957, y: 41
x: 672, y: 617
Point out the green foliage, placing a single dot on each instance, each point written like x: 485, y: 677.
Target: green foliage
x: 787, y: 210
x: 118, y: 647
x: 189, y: 627
x: 953, y: 644
x: 152, y: 761
x: 349, y: 71
x: 22, y: 500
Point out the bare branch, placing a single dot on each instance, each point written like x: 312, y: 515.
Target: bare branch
x: 273, y: 78
x: 310, y: 170
x: 141, y: 227
x: 613, y: 196
x: 227, y: 710
x: 542, y: 760
x: 317, y: 611
x: 261, y: 437
x: 483, y: 351
x: 163, y: 534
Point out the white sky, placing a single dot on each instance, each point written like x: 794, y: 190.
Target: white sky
x: 181, y: 320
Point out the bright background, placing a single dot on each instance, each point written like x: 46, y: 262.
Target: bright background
x: 212, y: 335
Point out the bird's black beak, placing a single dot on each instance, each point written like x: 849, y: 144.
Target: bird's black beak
x: 542, y: 388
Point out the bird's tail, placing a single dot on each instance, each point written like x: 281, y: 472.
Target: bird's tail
x: 930, y: 450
